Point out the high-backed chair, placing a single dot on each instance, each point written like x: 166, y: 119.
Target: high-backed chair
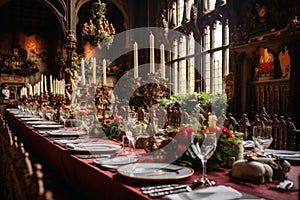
x: 19, y: 180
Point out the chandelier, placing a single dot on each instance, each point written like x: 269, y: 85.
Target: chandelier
x: 98, y: 31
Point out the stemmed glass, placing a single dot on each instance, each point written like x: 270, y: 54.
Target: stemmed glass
x: 204, y: 146
x: 88, y: 121
x: 262, y: 137
x: 133, y: 130
x: 64, y: 115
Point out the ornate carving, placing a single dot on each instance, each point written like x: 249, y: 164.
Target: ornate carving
x: 229, y: 86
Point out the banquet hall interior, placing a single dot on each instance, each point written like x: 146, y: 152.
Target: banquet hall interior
x: 111, y: 99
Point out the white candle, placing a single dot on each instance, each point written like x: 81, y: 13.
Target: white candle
x: 41, y: 82
x: 162, y: 61
x: 135, y: 60
x: 30, y: 89
x: 212, y: 120
x: 104, y: 72
x: 46, y: 86
x: 82, y: 72
x: 94, y: 70
x: 60, y: 87
x: 38, y: 89
x: 57, y: 86
x: 64, y: 86
x: 51, y: 84
x: 151, y: 38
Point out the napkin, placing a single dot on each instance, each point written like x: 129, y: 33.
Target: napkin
x: 220, y: 192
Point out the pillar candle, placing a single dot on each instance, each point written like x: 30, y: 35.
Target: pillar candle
x: 82, y: 72
x: 151, y: 38
x: 104, y: 72
x: 94, y: 70
x: 135, y: 60
x: 162, y: 61
x: 51, y: 84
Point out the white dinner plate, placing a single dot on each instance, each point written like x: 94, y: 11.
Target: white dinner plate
x: 93, y: 147
x: 119, y: 160
x: 41, y: 122
x: 155, y: 171
x: 64, y: 133
x: 30, y: 119
x: 23, y: 115
x: 48, y: 126
x: 285, y: 154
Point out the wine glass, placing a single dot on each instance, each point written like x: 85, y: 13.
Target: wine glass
x: 64, y: 115
x: 133, y: 131
x: 262, y: 137
x: 204, y: 146
x: 88, y: 121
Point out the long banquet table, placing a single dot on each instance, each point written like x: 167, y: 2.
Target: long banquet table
x: 95, y: 182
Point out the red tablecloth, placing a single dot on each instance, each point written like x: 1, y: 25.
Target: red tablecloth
x: 98, y: 183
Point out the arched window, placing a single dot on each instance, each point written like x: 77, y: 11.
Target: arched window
x: 215, y: 56
x: 200, y: 69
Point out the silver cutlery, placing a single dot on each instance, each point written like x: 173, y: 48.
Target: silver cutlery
x: 162, y: 190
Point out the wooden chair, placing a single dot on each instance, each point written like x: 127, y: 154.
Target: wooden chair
x: 19, y: 181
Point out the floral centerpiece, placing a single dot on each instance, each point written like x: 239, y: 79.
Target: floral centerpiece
x: 227, y: 146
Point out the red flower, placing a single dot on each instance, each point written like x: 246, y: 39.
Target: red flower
x: 114, y: 116
x: 225, y: 130
x: 172, y: 134
x: 184, y: 137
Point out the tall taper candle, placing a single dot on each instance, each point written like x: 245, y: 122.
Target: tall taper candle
x: 51, y: 84
x: 42, y: 83
x: 162, y: 62
x: 82, y: 72
x: 104, y: 72
x: 46, y: 86
x: 135, y: 60
x: 152, y: 66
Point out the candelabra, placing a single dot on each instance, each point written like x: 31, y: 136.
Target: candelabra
x: 151, y: 92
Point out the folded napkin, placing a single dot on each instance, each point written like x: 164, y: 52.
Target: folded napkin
x: 220, y: 192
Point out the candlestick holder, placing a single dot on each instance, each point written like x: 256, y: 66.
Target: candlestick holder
x: 103, y: 101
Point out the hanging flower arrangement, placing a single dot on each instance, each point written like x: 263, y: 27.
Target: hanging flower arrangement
x: 98, y: 31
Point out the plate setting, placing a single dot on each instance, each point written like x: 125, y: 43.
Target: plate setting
x: 42, y: 123
x: 93, y: 147
x: 48, y: 126
x: 155, y: 171
x: 115, y: 162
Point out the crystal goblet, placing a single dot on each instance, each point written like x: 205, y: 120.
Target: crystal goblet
x: 204, y: 146
x: 262, y: 137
